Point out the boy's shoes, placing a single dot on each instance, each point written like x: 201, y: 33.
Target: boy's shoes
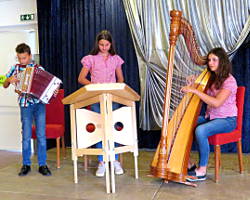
x: 44, y: 170
x: 100, y: 172
x: 192, y: 177
x: 24, y: 170
x: 118, y: 168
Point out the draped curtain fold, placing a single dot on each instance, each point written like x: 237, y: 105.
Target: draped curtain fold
x: 223, y: 23
x: 241, y: 71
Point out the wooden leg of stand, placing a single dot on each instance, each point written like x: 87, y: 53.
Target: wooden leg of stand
x: 58, y: 152
x: 75, y: 169
x: 107, y: 176
x: 239, y: 149
x: 112, y: 173
x: 136, y: 166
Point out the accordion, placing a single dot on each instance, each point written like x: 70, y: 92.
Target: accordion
x: 38, y: 83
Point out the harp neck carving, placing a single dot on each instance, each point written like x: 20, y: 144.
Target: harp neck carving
x: 180, y: 26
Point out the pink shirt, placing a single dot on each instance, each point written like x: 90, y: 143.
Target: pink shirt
x: 228, y: 108
x: 101, y: 70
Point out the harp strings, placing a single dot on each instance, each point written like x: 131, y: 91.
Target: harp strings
x: 179, y: 101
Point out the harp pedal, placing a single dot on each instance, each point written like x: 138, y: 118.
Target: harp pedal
x: 185, y: 183
x: 189, y: 184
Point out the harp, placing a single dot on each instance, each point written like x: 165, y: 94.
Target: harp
x: 171, y: 158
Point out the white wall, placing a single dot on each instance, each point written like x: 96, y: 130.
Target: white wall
x: 13, y: 32
x: 10, y: 11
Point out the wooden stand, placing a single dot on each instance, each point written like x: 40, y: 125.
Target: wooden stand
x: 103, y: 125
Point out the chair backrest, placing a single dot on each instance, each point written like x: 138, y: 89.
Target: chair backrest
x: 240, y: 96
x: 55, y: 110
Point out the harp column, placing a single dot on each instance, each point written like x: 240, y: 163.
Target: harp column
x: 161, y: 168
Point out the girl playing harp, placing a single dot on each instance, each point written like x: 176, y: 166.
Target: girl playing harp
x: 172, y: 156
x: 221, y: 110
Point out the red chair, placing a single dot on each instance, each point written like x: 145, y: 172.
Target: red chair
x: 234, y: 136
x: 55, y: 124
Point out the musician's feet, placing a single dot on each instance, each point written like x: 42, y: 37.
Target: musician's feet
x: 118, y: 168
x: 196, y: 176
x: 100, y: 172
x: 24, y: 170
x: 44, y: 170
x: 192, y: 168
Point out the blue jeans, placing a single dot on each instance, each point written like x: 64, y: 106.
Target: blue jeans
x: 96, y: 108
x: 206, y: 128
x: 34, y: 112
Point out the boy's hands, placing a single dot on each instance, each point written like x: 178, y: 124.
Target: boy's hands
x: 56, y: 92
x: 18, y: 92
x: 12, y: 80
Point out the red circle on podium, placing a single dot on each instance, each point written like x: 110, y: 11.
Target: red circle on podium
x: 118, y: 126
x: 90, y: 127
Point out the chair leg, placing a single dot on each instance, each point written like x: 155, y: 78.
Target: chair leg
x: 35, y: 146
x: 58, y: 152
x: 217, y: 162
x: 121, y: 159
x: 85, y: 162
x: 219, y: 158
x: 63, y: 148
x: 239, y: 149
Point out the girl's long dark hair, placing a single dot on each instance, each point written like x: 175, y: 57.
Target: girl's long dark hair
x: 225, y: 68
x: 103, y: 35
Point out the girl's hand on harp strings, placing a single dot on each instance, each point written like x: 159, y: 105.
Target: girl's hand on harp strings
x: 190, y: 80
x: 187, y: 89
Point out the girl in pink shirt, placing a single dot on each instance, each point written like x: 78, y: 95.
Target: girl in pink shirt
x: 103, y: 63
x: 221, y: 110
x: 104, y: 66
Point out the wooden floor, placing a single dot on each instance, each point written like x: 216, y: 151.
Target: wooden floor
x: 60, y: 185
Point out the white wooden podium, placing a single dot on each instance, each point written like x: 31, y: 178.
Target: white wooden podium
x: 103, y: 125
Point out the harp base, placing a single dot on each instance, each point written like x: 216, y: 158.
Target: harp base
x: 185, y: 183
x: 168, y: 175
